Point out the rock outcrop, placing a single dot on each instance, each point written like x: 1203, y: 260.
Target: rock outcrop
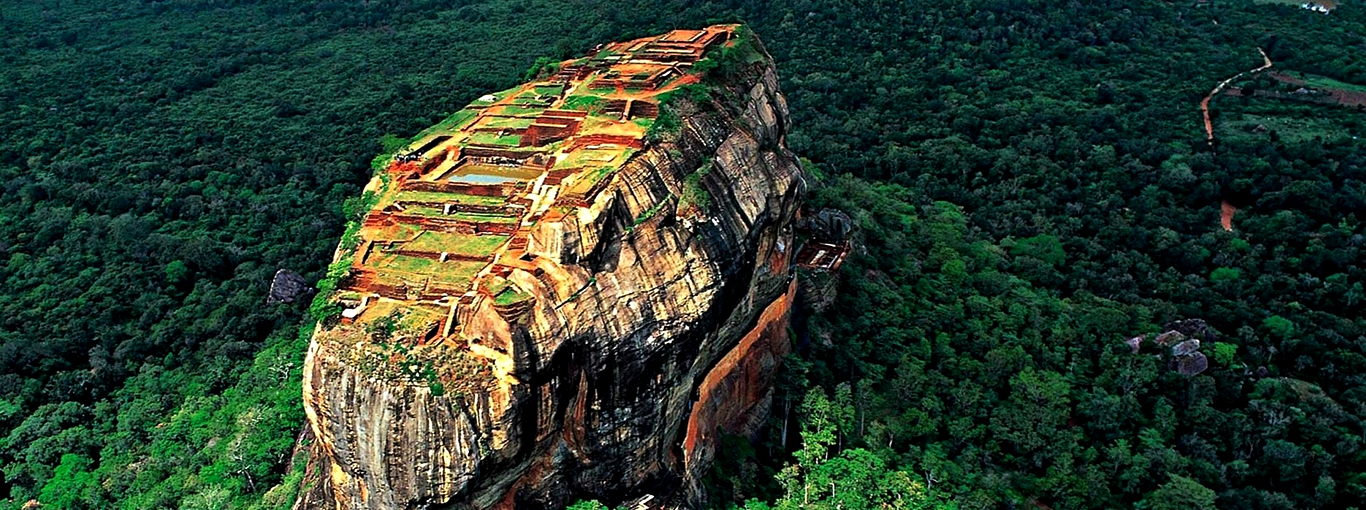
x: 288, y: 286
x: 655, y: 322
x: 1183, y: 337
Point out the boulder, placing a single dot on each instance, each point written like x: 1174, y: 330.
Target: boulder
x: 288, y: 286
x: 1186, y: 348
x: 1191, y: 328
x: 1136, y: 343
x: 1170, y: 338
x: 1192, y: 364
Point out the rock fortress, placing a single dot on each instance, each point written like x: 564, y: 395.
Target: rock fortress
x: 567, y: 290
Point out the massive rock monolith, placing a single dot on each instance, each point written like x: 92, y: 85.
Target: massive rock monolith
x: 623, y: 325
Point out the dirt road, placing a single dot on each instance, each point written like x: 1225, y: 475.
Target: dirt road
x: 1227, y: 210
x: 1204, y: 104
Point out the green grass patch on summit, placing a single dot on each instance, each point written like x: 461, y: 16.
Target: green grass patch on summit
x: 495, y: 139
x: 590, y: 104
x: 437, y: 196
x: 451, y: 242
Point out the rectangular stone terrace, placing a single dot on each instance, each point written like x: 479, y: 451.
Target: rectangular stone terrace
x: 454, y: 210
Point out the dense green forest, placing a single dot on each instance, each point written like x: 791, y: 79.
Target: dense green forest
x: 1030, y: 183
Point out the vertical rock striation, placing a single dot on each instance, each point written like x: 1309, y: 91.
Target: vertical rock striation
x: 657, y: 321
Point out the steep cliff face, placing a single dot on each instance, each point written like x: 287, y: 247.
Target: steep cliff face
x: 657, y: 314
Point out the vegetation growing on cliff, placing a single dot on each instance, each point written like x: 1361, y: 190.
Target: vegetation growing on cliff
x: 162, y: 159
x: 694, y: 195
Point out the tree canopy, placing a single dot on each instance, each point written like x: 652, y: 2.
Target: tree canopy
x: 1030, y: 184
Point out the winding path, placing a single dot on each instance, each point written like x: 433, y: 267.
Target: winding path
x: 1227, y: 210
x: 1204, y: 104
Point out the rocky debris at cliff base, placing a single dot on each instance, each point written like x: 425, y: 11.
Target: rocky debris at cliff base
x: 828, y: 225
x: 288, y: 286
x: 818, y: 290
x: 828, y: 234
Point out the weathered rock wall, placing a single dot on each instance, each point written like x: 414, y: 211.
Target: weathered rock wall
x: 640, y: 309
x: 736, y: 394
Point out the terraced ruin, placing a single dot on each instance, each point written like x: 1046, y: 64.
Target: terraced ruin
x: 452, y: 214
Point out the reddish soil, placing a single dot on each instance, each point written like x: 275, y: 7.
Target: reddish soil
x: 1204, y: 108
x: 1204, y: 103
x: 1339, y: 96
x: 1226, y: 212
x: 687, y: 79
